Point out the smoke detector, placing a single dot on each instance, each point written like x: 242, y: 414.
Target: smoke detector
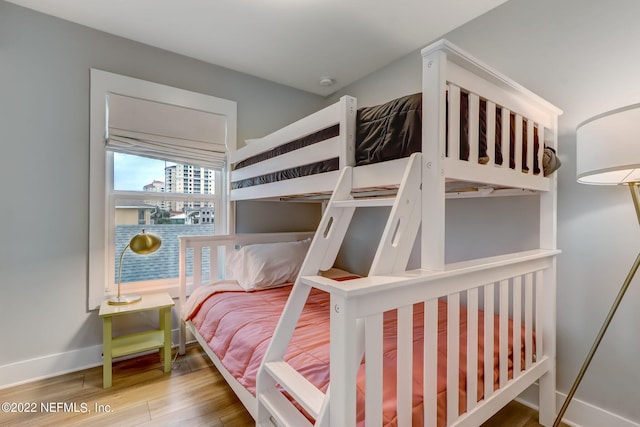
x: 326, y: 81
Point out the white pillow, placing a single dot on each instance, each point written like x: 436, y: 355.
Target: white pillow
x: 268, y: 264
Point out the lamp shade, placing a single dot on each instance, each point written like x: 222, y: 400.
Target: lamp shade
x: 608, y: 147
x: 145, y: 243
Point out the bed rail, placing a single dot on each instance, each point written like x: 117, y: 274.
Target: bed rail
x: 341, y: 114
x: 511, y: 286
x: 202, y: 260
x: 514, y: 147
x: 478, y: 127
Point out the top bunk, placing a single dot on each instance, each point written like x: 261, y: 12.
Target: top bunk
x: 483, y: 133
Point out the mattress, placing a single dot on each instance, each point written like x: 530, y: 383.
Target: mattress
x: 238, y: 325
x: 393, y: 130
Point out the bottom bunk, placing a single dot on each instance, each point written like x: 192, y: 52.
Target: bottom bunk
x: 427, y: 359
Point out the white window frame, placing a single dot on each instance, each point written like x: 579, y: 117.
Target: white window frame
x: 101, y: 194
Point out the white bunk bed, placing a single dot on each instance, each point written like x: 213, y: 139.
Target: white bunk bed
x: 519, y: 288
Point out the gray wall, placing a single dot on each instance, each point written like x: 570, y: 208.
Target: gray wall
x: 581, y: 55
x: 44, y: 140
x: 282, y: 216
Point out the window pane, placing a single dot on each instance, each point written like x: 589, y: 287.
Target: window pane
x: 137, y: 173
x: 162, y: 264
x: 166, y: 217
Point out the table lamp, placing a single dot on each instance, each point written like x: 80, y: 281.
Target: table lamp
x: 608, y: 153
x: 142, y: 243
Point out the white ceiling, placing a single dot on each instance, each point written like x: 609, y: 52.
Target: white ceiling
x: 292, y: 42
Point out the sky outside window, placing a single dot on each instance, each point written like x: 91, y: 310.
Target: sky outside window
x: 132, y: 173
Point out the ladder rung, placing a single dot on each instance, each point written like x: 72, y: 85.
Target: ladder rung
x: 305, y: 393
x: 364, y: 203
x: 285, y: 414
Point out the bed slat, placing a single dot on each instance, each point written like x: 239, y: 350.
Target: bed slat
x: 539, y: 314
x: 531, y: 152
x: 518, y: 143
x: 491, y: 132
x: 214, y: 274
x: 197, y: 265
x: 528, y: 320
x: 504, y: 332
x: 453, y: 356
x: 517, y: 322
x: 489, y: 340
x: 373, y: 370
x: 540, y: 152
x: 430, y: 383
x: 472, y: 348
x: 474, y: 127
x: 404, y: 396
x: 454, y: 122
x: 505, y: 138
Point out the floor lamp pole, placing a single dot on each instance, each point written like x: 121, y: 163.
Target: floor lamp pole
x: 634, y: 187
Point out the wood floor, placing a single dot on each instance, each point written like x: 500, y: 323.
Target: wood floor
x: 193, y: 394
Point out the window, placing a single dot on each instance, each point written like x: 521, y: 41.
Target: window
x: 165, y: 214
x: 146, y: 139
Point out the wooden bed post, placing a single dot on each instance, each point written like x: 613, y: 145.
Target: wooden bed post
x: 182, y: 297
x: 348, y: 111
x: 548, y: 240
x: 433, y: 182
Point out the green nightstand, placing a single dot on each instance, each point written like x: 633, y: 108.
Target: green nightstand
x: 138, y: 342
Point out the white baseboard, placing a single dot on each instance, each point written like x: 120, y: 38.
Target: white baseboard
x: 52, y: 365
x: 49, y: 366
x: 579, y: 413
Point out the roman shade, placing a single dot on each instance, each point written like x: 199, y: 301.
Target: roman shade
x: 165, y: 131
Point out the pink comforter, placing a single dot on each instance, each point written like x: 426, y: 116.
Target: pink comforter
x: 238, y: 326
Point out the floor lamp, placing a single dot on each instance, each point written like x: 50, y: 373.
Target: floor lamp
x: 608, y: 152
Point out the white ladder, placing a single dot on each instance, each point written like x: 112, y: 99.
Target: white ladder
x: 391, y: 257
